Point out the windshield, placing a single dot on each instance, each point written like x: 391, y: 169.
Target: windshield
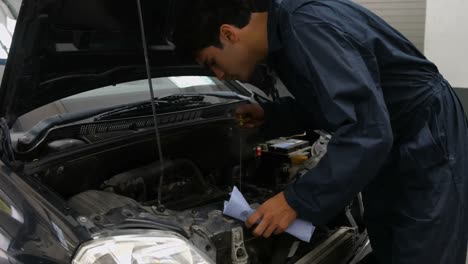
x: 124, y: 93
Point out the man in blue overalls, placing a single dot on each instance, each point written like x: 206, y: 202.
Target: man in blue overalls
x: 400, y: 133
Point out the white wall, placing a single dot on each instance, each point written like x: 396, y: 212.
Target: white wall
x: 7, y: 26
x: 446, y: 40
x: 407, y: 16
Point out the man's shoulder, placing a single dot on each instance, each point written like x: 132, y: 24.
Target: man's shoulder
x: 292, y: 5
x: 339, y: 13
x: 289, y: 6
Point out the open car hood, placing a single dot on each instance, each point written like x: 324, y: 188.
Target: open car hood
x: 64, y: 47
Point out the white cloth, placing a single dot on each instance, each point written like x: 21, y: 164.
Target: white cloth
x: 238, y: 208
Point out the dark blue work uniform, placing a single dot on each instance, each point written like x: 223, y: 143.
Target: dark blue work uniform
x: 400, y: 133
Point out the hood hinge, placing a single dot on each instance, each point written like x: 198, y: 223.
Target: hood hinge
x: 6, y: 149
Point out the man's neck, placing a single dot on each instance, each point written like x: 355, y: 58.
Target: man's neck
x: 257, y: 35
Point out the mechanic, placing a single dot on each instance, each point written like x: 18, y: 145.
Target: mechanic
x: 400, y: 133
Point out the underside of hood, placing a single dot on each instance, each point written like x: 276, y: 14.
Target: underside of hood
x: 64, y: 47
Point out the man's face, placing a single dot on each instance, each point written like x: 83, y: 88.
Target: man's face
x: 234, y: 61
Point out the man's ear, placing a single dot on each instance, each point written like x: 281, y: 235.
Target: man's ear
x: 228, y: 33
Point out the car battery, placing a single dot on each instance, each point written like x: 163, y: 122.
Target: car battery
x: 286, y: 146
x: 280, y: 161
x: 275, y: 158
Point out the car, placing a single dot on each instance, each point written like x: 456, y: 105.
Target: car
x: 107, y: 159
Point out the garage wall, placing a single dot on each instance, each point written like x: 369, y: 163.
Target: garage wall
x: 447, y: 41
x: 7, y: 25
x: 407, y: 16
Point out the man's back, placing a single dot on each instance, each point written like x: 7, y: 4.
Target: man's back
x: 400, y: 68
x: 373, y: 88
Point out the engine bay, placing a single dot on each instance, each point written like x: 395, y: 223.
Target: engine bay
x: 117, y: 189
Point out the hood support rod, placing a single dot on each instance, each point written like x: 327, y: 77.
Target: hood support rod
x: 153, y: 103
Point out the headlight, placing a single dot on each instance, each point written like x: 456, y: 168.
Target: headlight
x: 138, y: 247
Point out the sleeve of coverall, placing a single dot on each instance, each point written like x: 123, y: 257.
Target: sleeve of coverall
x: 278, y: 121
x: 351, y: 99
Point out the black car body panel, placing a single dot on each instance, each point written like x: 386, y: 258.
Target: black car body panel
x: 62, y: 48
x: 35, y: 227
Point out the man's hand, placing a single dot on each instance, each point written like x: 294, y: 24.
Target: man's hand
x: 250, y: 115
x: 275, y: 214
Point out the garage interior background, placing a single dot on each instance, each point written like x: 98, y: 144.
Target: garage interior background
x: 438, y: 28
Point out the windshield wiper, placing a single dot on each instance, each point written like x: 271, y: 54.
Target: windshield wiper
x: 164, y: 105
x: 219, y: 94
x: 171, y: 103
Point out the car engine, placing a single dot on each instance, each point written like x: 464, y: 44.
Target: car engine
x: 192, y: 204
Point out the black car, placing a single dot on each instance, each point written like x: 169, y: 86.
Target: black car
x: 86, y: 176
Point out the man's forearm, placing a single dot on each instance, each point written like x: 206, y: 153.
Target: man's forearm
x: 284, y: 117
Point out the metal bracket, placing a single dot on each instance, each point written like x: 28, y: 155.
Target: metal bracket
x: 201, y: 239
x: 324, y: 134
x: 6, y: 149
x: 86, y: 223
x: 238, y: 253
x: 350, y: 217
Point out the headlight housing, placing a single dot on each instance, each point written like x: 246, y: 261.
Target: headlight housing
x: 140, y: 246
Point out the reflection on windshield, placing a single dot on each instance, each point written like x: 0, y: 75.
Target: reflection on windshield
x: 188, y: 81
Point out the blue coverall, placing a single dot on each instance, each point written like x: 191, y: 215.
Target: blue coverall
x: 400, y: 133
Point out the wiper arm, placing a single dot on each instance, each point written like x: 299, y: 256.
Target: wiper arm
x: 123, y: 109
x: 169, y: 103
x: 219, y: 94
x: 164, y: 105
x: 174, y: 102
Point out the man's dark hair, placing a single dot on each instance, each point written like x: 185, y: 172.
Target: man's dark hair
x: 198, y: 23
